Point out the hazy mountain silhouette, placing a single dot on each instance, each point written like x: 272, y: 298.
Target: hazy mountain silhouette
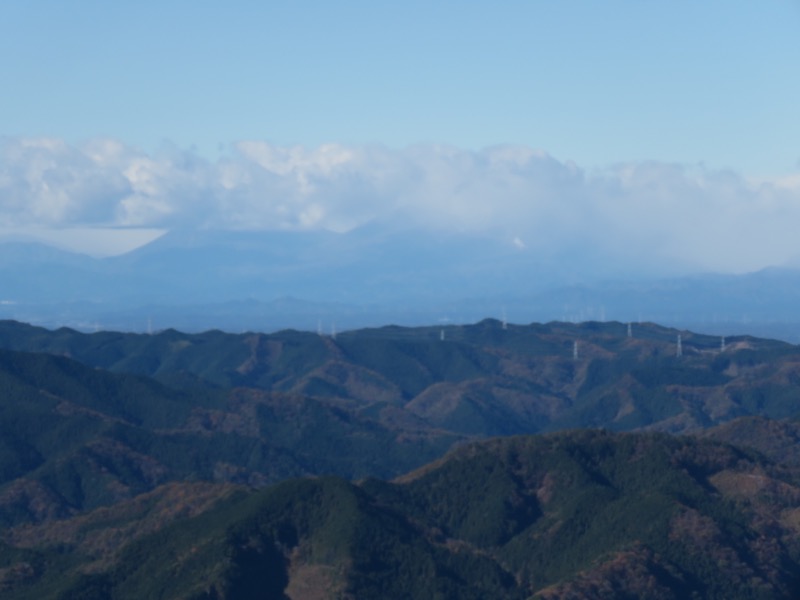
x: 373, y: 275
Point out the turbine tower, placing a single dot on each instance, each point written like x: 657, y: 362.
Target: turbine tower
x: 679, y: 350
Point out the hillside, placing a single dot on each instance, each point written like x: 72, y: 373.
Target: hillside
x: 213, y: 465
x: 567, y: 515
x: 256, y: 409
x: 482, y: 379
x: 73, y: 438
x: 777, y: 440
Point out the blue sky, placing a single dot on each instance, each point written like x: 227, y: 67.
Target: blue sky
x: 671, y: 125
x: 595, y: 82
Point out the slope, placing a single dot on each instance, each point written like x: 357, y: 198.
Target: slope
x: 577, y: 514
x: 73, y: 437
x: 483, y: 379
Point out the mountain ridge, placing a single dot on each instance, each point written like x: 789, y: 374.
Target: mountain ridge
x: 297, y: 465
x: 588, y: 514
x: 376, y: 275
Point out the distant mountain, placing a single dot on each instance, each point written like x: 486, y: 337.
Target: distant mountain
x: 571, y: 515
x: 760, y: 303
x: 377, y: 274
x: 366, y: 266
x: 31, y: 272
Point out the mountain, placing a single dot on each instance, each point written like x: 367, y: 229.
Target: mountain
x: 73, y: 437
x: 377, y: 274
x: 482, y: 379
x: 779, y: 440
x: 366, y: 266
x: 73, y: 274
x: 760, y: 303
x: 570, y: 515
x: 294, y: 465
x: 87, y: 420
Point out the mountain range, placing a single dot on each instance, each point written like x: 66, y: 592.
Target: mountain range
x: 489, y: 378
x: 371, y: 276
x: 457, y: 461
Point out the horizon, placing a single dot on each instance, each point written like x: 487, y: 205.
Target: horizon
x: 444, y: 152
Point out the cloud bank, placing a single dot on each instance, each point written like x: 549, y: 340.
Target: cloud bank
x: 709, y: 219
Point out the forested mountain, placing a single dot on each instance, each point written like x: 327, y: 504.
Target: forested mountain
x: 74, y: 437
x: 213, y: 465
x: 482, y: 379
x: 568, y: 515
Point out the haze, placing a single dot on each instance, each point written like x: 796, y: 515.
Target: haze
x: 661, y: 136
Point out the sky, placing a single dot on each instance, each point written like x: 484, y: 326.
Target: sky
x: 668, y: 123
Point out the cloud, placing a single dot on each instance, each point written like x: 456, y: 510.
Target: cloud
x: 688, y: 214
x: 47, y: 182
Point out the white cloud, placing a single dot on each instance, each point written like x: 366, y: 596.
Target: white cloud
x: 648, y: 210
x: 47, y: 182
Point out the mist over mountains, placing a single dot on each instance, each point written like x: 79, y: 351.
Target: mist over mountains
x: 197, y: 280
x: 269, y: 236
